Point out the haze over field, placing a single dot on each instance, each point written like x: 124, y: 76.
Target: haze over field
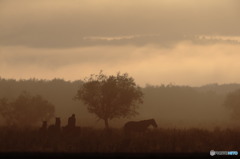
x: 176, y: 46
x: 171, y: 106
x: 184, y: 42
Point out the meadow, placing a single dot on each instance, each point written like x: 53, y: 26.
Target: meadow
x: 89, y: 140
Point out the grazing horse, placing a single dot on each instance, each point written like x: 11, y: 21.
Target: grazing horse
x: 139, y: 126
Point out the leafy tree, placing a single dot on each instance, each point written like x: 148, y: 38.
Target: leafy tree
x: 232, y: 101
x: 110, y: 97
x: 26, y: 110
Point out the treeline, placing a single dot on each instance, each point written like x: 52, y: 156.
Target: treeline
x: 170, y: 105
x: 57, y: 91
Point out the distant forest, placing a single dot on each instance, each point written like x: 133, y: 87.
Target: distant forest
x: 170, y: 105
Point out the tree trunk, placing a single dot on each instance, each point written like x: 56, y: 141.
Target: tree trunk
x: 106, y: 123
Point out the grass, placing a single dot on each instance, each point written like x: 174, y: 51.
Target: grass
x: 91, y: 140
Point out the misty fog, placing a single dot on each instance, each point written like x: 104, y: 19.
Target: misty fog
x: 170, y: 105
x: 183, y: 55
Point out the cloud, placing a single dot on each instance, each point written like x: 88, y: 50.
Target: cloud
x: 184, y: 64
x: 183, y: 42
x: 65, y: 24
x: 230, y: 39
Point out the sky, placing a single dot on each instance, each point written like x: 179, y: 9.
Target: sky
x: 183, y: 42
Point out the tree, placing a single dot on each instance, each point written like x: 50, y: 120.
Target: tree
x: 110, y: 97
x: 232, y: 101
x: 26, y: 110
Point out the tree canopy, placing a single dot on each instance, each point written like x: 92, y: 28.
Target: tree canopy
x: 26, y: 110
x: 110, y: 96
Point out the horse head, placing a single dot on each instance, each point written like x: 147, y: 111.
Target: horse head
x: 153, y: 122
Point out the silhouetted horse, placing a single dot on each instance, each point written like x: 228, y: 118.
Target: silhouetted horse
x: 72, y: 121
x: 71, y: 128
x: 43, y: 129
x: 139, y: 126
x: 55, y: 128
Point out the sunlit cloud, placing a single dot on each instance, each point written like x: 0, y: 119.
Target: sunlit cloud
x: 233, y: 39
x: 110, y: 38
x: 184, y: 64
x: 183, y: 42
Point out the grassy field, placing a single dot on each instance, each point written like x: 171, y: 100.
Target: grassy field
x: 95, y: 140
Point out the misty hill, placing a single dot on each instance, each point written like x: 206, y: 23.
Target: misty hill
x: 170, y: 105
